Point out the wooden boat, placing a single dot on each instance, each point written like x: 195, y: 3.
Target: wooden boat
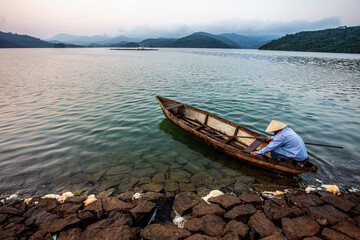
x: 228, y: 137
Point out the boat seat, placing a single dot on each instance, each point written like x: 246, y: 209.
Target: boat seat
x: 253, y: 146
x: 175, y: 106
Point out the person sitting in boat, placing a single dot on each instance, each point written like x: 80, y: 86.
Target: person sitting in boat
x: 285, y: 144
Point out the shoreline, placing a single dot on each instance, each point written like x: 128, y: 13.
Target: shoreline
x: 151, y: 215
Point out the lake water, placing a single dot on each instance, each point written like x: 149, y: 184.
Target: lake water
x: 86, y: 120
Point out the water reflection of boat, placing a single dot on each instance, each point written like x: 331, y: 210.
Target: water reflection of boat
x: 228, y: 137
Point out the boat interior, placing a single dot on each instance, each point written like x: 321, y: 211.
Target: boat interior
x: 226, y: 132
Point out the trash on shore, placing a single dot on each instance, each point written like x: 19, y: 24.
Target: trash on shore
x: 136, y: 196
x: 332, y: 188
x: 64, y: 196
x: 213, y: 193
x: 273, y: 194
x: 27, y: 200
x: 56, y: 196
x: 12, y: 196
x: 179, y: 220
x: 91, y: 198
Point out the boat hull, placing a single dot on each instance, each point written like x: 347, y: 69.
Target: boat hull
x: 236, y: 152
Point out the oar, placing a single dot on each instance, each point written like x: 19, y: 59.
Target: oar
x: 323, y: 145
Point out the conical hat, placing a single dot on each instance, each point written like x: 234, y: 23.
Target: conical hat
x: 275, y: 126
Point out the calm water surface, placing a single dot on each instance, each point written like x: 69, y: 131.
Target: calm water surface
x: 86, y: 120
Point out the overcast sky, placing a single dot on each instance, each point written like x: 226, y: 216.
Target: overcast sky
x: 156, y: 18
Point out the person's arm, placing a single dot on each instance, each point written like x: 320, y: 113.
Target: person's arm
x: 275, y: 143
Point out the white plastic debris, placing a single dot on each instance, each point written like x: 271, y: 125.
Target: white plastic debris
x: 273, y: 194
x: 213, y: 193
x: 64, y: 196
x: 91, y: 198
x: 353, y: 189
x: 136, y: 196
x: 56, y: 196
x: 12, y: 196
x: 179, y: 220
x: 332, y: 188
x: 309, y: 189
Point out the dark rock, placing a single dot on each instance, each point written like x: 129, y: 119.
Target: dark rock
x: 347, y: 229
x: 275, y: 212
x: 121, y: 218
x: 213, y: 225
x: 187, y: 187
x: 114, y: 204
x: 121, y: 232
x: 67, y: 208
x: 171, y: 186
x: 16, y: 219
x: 300, y: 227
x: 303, y: 200
x: 262, y: 225
x: 126, y: 196
x: 351, y: 197
x: 276, y: 236
x: 40, y: 234
x: 58, y: 224
x: 143, y: 211
x: 231, y: 236
x: 205, y: 209
x: 330, y: 234
x: 202, y: 179
x: 355, y: 211
x: 18, y: 204
x: 251, y: 198
x: 87, y: 217
x: 241, y: 211
x: 238, y: 227
x: 75, y: 199
x: 37, y: 216
x: 10, y: 210
x: 185, y: 201
x: 179, y: 176
x: 200, y: 237
x: 3, y: 217
x: 194, y: 225
x: 48, y: 203
x: 153, y: 187
x: 95, y: 208
x: 357, y: 220
x: 226, y: 201
x: 161, y: 232
x: 338, y: 202
x: 330, y: 213
x: 240, y: 187
x: 153, y: 196
x: 312, y: 238
x: 12, y: 231
x: 70, y: 234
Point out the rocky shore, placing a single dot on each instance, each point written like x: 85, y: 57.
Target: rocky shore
x: 249, y: 215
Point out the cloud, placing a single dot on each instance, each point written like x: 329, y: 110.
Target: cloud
x: 239, y: 26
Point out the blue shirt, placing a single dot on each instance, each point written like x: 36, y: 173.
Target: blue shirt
x: 287, y: 143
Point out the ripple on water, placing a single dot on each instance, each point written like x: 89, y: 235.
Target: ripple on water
x: 86, y: 120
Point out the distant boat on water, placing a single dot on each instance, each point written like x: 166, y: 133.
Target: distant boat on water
x: 140, y: 48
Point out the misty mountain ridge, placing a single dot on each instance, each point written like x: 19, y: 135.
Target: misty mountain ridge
x: 226, y: 40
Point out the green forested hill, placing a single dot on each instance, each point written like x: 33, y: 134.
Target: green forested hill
x: 10, y: 40
x: 342, y: 39
x: 198, y: 40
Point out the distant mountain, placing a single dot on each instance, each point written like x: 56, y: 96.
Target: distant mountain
x: 248, y: 42
x: 125, y: 44
x: 92, y: 41
x: 11, y: 40
x: 221, y: 38
x: 342, y: 39
x: 197, y: 40
x: 159, y: 42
